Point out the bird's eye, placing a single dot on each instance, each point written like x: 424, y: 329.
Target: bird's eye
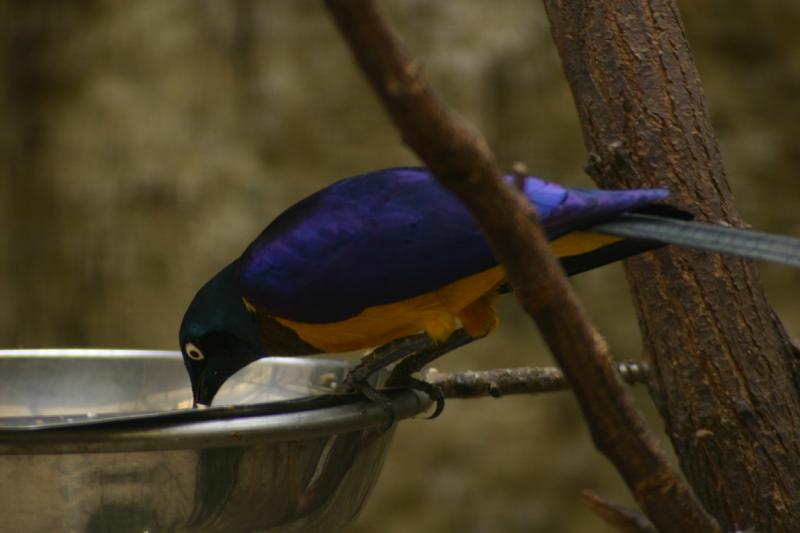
x: 193, y: 352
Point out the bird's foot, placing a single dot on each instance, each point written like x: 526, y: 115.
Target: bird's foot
x: 372, y: 394
x: 413, y: 352
x: 375, y: 361
x: 432, y: 391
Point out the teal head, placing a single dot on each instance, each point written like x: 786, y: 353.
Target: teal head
x: 218, y: 335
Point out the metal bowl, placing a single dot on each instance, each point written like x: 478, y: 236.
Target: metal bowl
x: 103, y: 440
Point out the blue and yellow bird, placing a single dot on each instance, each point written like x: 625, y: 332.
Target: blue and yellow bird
x: 391, y: 253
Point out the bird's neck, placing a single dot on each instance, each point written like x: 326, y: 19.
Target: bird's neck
x: 279, y: 340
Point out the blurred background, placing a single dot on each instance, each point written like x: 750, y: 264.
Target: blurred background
x: 144, y: 144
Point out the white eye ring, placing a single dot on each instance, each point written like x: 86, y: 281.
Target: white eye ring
x: 193, y: 352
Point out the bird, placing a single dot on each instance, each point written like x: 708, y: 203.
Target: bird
x: 391, y: 253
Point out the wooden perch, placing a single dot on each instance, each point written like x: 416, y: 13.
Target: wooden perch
x: 499, y: 382
x: 462, y: 161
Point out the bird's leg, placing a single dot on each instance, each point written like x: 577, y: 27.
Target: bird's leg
x: 402, y: 375
x: 416, y: 362
x: 413, y: 352
x: 385, y: 355
x: 378, y: 359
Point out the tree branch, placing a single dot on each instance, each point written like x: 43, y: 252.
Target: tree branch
x: 499, y: 382
x: 623, y: 519
x: 461, y: 160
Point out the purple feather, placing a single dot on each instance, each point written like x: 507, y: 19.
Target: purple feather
x: 390, y: 235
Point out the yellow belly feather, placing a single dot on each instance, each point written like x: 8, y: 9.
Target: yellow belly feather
x: 581, y: 242
x: 435, y: 312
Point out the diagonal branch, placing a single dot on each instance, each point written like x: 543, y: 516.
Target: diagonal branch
x: 621, y: 518
x: 462, y: 161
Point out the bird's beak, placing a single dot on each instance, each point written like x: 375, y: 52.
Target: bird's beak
x: 204, y: 392
x: 195, y: 391
x: 195, y: 403
x: 199, y: 395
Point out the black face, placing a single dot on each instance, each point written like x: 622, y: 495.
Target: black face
x: 218, y: 336
x: 211, y: 359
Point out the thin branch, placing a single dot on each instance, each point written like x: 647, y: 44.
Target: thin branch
x: 461, y: 160
x: 622, y: 518
x: 499, y: 382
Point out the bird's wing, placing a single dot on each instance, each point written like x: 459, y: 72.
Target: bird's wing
x: 390, y: 235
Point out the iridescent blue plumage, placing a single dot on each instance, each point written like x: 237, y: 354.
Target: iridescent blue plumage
x: 389, y: 254
x: 390, y: 235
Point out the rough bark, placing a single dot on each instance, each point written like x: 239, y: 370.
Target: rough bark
x: 462, y: 161
x: 723, y: 366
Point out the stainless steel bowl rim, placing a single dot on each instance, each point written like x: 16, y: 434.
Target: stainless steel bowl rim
x: 223, y: 432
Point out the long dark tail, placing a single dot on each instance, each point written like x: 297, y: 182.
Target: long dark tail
x: 710, y: 237
x: 659, y: 225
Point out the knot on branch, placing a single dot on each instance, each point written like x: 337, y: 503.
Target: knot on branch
x: 411, y: 83
x: 657, y: 483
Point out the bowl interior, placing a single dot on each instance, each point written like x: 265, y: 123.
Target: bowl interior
x: 41, y: 387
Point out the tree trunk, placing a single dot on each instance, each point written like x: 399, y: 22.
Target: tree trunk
x: 724, y: 368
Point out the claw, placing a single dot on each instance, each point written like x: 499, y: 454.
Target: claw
x: 433, y: 392
x: 439, y: 407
